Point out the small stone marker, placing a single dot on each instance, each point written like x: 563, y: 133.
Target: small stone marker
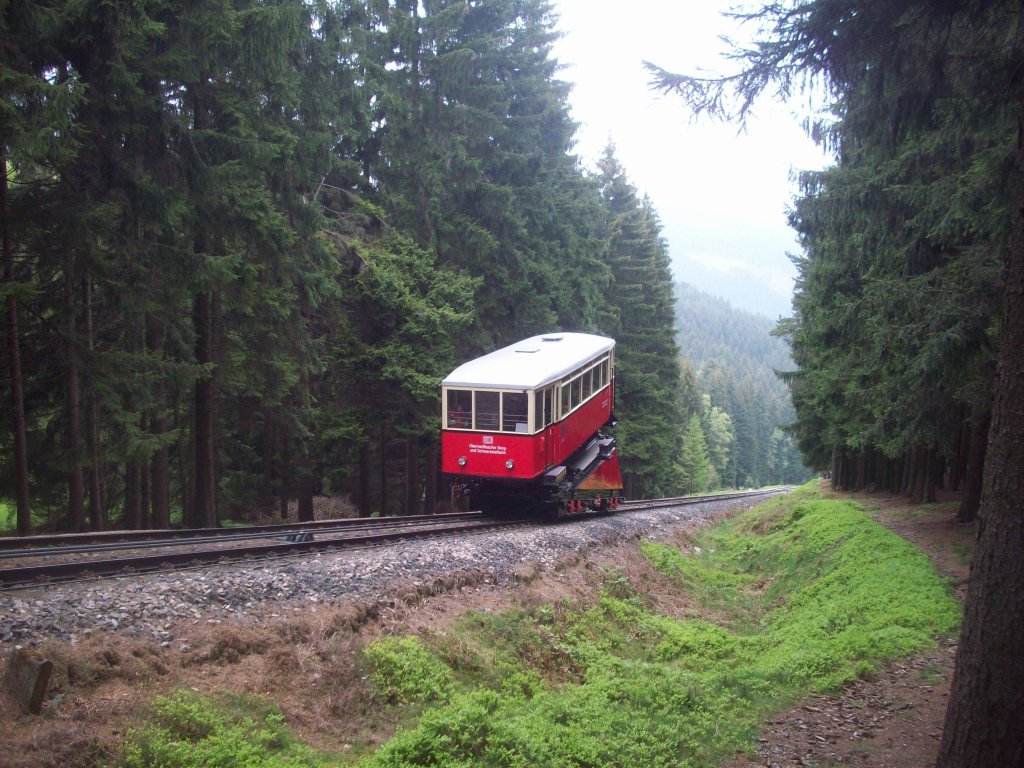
x: 26, y: 679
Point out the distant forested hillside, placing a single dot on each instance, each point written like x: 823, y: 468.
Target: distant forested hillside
x: 734, y: 403
x: 712, y: 329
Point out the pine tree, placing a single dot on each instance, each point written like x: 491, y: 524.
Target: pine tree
x: 717, y: 428
x: 695, y: 469
x: 642, y: 322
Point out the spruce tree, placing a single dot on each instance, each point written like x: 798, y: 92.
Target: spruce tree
x: 695, y: 469
x: 642, y: 322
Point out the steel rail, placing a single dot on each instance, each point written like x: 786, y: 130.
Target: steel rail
x: 204, y: 535
x: 300, y: 540
x: 29, y: 574
x: 681, y: 500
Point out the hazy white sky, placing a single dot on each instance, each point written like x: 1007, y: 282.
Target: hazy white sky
x: 721, y: 195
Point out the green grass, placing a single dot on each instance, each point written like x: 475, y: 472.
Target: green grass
x: 8, y: 517
x: 405, y: 672
x: 192, y: 731
x: 807, y: 594
x: 812, y: 592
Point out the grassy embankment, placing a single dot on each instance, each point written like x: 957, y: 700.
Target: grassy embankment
x: 800, y: 594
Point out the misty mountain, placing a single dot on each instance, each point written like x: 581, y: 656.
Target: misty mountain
x: 709, y: 328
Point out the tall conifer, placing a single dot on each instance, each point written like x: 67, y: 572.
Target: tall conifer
x: 642, y: 321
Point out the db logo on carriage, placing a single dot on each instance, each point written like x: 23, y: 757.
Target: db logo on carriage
x: 488, y: 439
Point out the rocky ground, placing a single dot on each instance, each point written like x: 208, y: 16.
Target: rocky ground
x: 290, y: 630
x: 161, y: 605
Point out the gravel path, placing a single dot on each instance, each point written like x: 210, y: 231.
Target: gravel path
x: 155, y: 604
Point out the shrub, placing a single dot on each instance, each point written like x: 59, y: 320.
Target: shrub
x: 193, y: 731
x: 405, y: 672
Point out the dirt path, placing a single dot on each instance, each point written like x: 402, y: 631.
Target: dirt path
x: 894, y: 719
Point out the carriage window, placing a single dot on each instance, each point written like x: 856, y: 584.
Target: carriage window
x: 460, y: 408
x: 577, y: 389
x: 538, y: 409
x: 566, y: 406
x: 487, y: 408
x: 549, y: 405
x: 587, y: 380
x: 514, y: 412
x: 595, y: 374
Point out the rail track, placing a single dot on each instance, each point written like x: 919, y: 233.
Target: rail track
x: 52, y: 558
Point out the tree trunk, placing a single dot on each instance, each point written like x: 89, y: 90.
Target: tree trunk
x: 184, y: 454
x: 896, y: 476
x: 413, y: 494
x: 17, y: 401
x: 977, y: 444
x: 929, y: 476
x: 961, y: 452
x: 917, y: 472
x: 861, y: 478
x: 834, y: 471
x: 985, y: 717
x: 382, y: 466
x: 133, y: 495
x: 76, y: 479
x: 907, y: 474
x: 430, y: 503
x: 307, y: 488
x: 203, y: 412
x: 97, y: 510
x: 306, y: 491
x: 160, y: 466
x: 216, y: 350
x: 144, y: 495
x: 266, y: 495
x: 364, y: 479
x: 202, y: 431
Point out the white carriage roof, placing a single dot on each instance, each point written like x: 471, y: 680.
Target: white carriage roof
x: 529, y: 363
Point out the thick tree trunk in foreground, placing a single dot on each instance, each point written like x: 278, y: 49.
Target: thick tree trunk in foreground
x: 985, y: 718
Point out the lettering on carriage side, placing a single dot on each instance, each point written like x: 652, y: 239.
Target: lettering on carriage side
x: 487, y: 446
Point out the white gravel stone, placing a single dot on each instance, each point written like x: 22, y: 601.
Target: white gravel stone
x: 151, y: 604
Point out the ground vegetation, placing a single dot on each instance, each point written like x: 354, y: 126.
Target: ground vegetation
x: 796, y: 596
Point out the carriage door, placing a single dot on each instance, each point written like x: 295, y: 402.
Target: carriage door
x: 547, y: 415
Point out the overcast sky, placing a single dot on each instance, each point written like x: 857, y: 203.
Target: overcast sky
x: 722, y: 196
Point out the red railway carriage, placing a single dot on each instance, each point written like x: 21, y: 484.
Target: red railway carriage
x: 522, y: 426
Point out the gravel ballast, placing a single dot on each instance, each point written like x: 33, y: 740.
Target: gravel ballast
x: 157, y: 604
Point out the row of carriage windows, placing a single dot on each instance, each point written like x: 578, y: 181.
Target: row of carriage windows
x: 492, y: 411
